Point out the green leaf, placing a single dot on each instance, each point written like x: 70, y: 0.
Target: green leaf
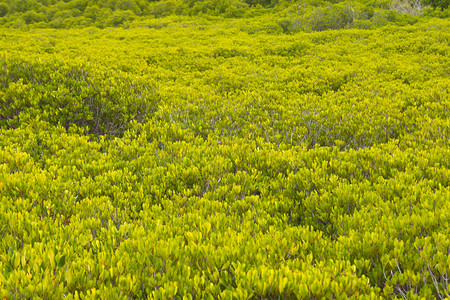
x: 62, y: 261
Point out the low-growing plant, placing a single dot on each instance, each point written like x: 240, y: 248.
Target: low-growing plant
x: 206, y: 157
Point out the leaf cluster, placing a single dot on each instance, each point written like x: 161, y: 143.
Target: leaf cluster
x: 213, y: 160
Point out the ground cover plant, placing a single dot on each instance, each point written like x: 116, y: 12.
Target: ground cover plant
x: 213, y: 157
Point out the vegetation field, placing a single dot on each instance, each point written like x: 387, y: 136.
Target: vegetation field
x: 208, y: 156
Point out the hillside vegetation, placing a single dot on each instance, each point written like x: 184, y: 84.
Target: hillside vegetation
x: 203, y: 156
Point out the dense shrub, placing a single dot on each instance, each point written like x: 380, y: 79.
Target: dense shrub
x: 204, y: 157
x: 442, y: 4
x: 4, y: 9
x: 74, y: 94
x: 31, y: 17
x: 119, y: 18
x: 291, y: 16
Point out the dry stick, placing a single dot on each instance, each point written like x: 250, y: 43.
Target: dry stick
x: 433, y: 278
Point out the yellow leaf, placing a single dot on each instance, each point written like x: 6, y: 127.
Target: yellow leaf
x: 23, y: 260
x: 282, y: 284
x: 68, y: 276
x: 16, y: 261
x: 51, y: 257
x: 207, y: 226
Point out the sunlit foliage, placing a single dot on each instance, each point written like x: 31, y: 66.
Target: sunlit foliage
x: 225, y: 159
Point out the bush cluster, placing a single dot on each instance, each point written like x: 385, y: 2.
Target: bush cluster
x: 212, y: 160
x: 307, y: 15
